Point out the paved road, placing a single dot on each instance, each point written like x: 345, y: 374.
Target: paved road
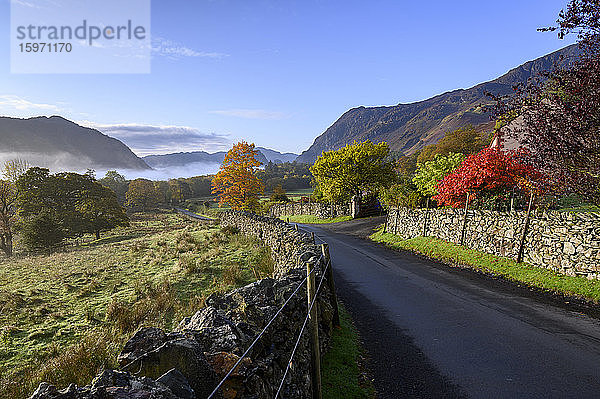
x: 433, y: 332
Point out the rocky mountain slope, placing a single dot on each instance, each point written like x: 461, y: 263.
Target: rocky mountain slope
x: 410, y: 127
x: 60, y: 144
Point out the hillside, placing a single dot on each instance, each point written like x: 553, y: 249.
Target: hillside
x: 410, y: 127
x: 57, y: 143
x: 186, y: 158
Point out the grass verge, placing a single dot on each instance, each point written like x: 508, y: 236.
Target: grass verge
x: 311, y: 219
x: 536, y: 277
x: 65, y: 315
x: 341, y: 375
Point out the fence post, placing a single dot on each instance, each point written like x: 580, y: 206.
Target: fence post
x: 296, y: 226
x: 464, y: 228
x: 331, y: 285
x: 525, y: 230
x: 288, y: 220
x: 312, y: 236
x: 314, y: 335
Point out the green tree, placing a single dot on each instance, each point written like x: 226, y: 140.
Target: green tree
x: 100, y: 209
x: 116, y: 182
x: 142, y: 195
x: 354, y: 169
x: 52, y: 208
x: 430, y: 173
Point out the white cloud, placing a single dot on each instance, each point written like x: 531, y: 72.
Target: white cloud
x: 12, y: 103
x: 173, y: 50
x: 162, y: 139
x: 250, y: 113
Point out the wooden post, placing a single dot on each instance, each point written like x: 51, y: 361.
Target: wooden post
x: 525, y: 230
x: 464, y: 228
x: 315, y: 357
x: 296, y: 226
x: 426, y: 217
x: 312, y: 236
x: 331, y: 285
x: 385, y: 225
x: 288, y: 220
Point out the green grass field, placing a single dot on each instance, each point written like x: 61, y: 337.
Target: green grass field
x: 65, y: 315
x: 310, y: 219
x: 341, y: 375
x: 509, y: 269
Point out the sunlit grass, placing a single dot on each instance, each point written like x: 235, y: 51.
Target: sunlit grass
x: 532, y: 276
x: 340, y: 372
x: 65, y: 315
x: 311, y: 219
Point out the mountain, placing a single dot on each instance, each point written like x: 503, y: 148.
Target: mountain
x: 59, y: 144
x: 410, y: 127
x: 276, y: 156
x: 186, y: 158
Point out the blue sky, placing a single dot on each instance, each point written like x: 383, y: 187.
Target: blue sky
x: 278, y: 73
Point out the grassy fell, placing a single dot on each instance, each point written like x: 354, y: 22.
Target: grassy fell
x: 537, y: 277
x: 65, y: 315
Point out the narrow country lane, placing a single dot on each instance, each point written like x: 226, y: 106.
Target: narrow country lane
x: 432, y: 332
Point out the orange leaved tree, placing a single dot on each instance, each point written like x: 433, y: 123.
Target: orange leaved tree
x: 236, y: 184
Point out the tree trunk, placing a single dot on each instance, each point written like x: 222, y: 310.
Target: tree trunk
x: 6, y: 244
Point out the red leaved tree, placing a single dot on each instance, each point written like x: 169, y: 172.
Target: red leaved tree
x: 489, y: 176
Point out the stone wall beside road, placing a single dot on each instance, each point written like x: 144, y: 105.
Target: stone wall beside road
x: 566, y: 242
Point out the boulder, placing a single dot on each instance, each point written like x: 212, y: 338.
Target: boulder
x: 185, y: 355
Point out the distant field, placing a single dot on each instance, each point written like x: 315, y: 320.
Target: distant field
x: 65, y: 315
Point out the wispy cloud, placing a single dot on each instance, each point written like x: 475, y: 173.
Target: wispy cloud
x: 173, y: 50
x: 153, y: 139
x: 12, y: 103
x: 250, y: 113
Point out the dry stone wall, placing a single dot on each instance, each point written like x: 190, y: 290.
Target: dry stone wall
x: 317, y: 209
x: 189, y: 362
x: 566, y: 242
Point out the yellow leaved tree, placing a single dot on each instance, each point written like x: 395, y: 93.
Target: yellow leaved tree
x: 236, y: 183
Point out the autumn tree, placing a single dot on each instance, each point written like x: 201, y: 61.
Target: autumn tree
x: 354, y: 169
x: 430, y: 173
x: 465, y: 140
x: 559, y: 113
x: 236, y: 184
x: 142, y: 195
x: 279, y: 194
x: 489, y: 177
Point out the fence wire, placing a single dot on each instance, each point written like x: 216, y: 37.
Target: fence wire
x: 265, y: 329
x: 312, y: 303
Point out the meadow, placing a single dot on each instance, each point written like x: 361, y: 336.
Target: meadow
x: 64, y: 315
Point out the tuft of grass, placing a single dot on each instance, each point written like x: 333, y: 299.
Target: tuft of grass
x: 341, y: 375
x: 65, y: 315
x: 311, y: 219
x: 536, y: 277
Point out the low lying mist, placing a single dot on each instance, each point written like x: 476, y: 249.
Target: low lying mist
x: 190, y: 170
x: 66, y: 162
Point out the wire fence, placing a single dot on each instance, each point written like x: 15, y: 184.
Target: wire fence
x: 320, y: 265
